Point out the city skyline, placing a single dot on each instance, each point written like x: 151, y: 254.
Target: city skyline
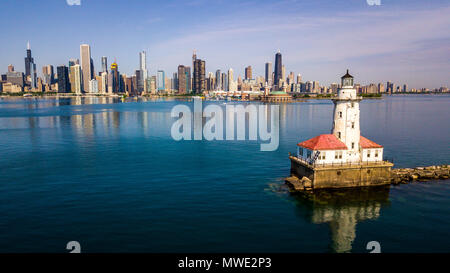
x: 419, y: 59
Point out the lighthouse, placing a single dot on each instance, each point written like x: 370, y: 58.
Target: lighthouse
x: 346, y: 118
x: 343, y: 158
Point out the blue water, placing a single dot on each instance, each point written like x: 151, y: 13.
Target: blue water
x: 108, y: 174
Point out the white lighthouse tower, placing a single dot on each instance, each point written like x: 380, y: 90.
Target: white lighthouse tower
x: 346, y: 118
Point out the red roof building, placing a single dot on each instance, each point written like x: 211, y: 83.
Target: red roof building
x: 368, y: 144
x: 323, y: 142
x: 331, y: 142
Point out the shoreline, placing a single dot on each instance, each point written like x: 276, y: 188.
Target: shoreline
x: 297, y: 99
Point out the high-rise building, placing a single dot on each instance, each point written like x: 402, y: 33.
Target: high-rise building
x: 86, y: 65
x: 248, y: 73
x: 115, y: 78
x: 10, y: 68
x: 278, y: 73
x: 104, y: 85
x: 199, y: 82
x: 93, y: 86
x: 268, y: 75
x: 15, y: 77
x: 139, y: 85
x: 224, y: 81
x: 232, y: 86
x: 48, y: 74
x: 161, y: 80
x: 381, y: 88
x: 299, y: 78
x: 182, y: 80
x: 143, y: 64
x: 175, y: 81
x: 75, y: 78
x: 33, y: 75
x: 104, y: 64
x: 63, y: 79
x: 28, y: 61
x: 291, y: 78
x: 142, y: 75
x: 73, y: 62
x: 218, y: 80
x: 188, y: 79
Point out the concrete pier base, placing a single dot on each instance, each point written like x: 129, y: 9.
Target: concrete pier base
x: 308, y: 177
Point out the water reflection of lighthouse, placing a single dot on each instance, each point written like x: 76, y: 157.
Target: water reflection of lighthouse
x: 342, y: 210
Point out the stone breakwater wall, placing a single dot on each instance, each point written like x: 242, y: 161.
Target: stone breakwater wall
x: 406, y: 175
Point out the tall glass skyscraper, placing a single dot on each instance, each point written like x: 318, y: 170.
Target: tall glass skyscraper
x: 278, y: 69
x: 161, y: 80
x: 28, y: 61
x: 104, y: 64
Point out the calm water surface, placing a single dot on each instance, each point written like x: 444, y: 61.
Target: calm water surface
x: 108, y: 174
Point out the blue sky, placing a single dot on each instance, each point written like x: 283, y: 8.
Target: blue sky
x: 405, y: 41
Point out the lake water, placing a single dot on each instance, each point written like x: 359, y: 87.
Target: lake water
x: 108, y: 174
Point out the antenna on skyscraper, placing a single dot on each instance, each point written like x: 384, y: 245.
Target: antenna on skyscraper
x: 28, y: 45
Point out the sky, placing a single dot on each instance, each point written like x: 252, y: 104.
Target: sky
x: 405, y: 41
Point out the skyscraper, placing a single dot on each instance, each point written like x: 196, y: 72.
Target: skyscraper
x: 104, y: 83
x: 48, y: 73
x: 188, y: 79
x: 33, y: 75
x: 86, y: 66
x: 104, y: 64
x: 230, y: 80
x: 75, y: 78
x: 268, y: 76
x: 10, y: 68
x: 182, y: 80
x: 63, y: 79
x: 248, y: 73
x: 199, y: 83
x: 278, y: 69
x: 139, y: 86
x: 28, y: 60
x: 143, y: 74
x: 161, y: 80
x: 115, y: 83
x: 143, y: 64
x: 218, y: 80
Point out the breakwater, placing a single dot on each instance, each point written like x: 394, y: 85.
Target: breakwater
x: 406, y: 175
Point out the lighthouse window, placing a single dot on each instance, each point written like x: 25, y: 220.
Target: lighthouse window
x: 353, y: 124
x: 301, y: 152
x: 376, y: 153
x: 340, y: 114
x: 339, y: 135
x: 353, y: 105
x: 368, y: 153
x: 309, y: 154
x: 353, y: 145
